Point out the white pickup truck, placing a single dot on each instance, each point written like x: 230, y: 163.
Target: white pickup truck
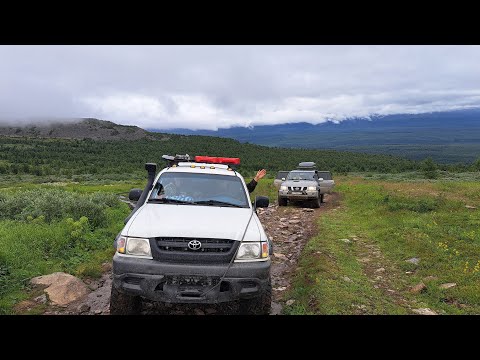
x: 193, y: 237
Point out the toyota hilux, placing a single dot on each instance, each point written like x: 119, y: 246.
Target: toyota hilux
x: 193, y: 237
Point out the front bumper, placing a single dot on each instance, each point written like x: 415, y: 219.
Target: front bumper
x: 305, y: 195
x: 190, y: 283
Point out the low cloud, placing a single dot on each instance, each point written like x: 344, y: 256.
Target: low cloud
x: 211, y: 87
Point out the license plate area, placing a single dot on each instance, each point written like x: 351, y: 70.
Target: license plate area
x: 192, y: 281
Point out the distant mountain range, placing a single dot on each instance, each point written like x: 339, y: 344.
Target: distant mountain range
x: 448, y: 137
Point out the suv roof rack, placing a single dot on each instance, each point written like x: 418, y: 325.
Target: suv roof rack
x: 307, y: 165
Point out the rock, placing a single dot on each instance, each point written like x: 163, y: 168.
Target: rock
x: 83, y: 308
x: 62, y: 289
x: 198, y: 312
x: 281, y: 288
x: 309, y: 210
x: 379, y: 270
x: 418, y: 288
x: 424, y: 311
x: 283, y: 226
x: 413, y: 261
x: 346, y: 241
x: 285, y: 233
x: 42, y: 299
x: 280, y: 256
x: 430, y: 278
x: 346, y: 278
x: 97, y: 312
x: 470, y: 207
x: 447, y: 285
x: 292, y: 238
x: 290, y: 302
x: 408, y: 272
x: 294, y: 222
x: 283, y: 219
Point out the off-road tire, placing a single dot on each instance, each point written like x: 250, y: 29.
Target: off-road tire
x: 260, y: 305
x: 316, y: 202
x: 282, y: 201
x: 123, y: 304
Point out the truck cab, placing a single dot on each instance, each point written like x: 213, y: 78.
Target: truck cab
x: 193, y: 237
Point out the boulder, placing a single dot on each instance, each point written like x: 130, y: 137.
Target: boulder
x: 61, y: 288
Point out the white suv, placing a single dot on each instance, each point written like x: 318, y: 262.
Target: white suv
x: 193, y: 237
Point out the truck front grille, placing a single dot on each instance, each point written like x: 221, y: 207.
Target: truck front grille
x: 297, y: 188
x: 200, y: 250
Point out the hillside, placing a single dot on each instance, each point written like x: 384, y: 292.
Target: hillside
x: 447, y: 137
x: 83, y: 128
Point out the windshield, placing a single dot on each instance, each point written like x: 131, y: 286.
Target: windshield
x: 301, y: 175
x: 199, y: 189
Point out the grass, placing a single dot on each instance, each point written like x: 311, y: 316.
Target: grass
x: 403, y: 220
x: 46, y: 233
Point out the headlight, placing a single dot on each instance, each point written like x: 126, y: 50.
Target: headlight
x: 311, y: 188
x: 283, y: 187
x: 252, y: 250
x: 134, y: 246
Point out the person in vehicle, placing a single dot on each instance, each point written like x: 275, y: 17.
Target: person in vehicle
x: 253, y: 184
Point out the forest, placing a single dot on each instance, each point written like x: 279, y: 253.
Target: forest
x: 122, y: 159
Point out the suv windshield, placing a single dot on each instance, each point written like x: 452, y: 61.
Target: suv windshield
x: 301, y: 175
x: 199, y: 189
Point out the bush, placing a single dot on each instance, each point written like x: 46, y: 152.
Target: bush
x: 56, y: 204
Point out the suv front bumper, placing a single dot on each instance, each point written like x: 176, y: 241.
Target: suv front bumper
x: 303, y: 195
x: 190, y: 283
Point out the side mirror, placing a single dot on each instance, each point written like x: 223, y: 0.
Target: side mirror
x: 135, y: 194
x: 261, y: 201
x: 283, y: 179
x: 320, y: 179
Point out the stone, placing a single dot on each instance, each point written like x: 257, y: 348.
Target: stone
x: 470, y: 207
x: 280, y: 256
x: 62, y: 289
x: 293, y: 222
x: 346, y: 278
x: 290, y: 302
x: 292, y: 238
x: 430, y: 278
x: 346, y: 241
x: 418, y: 288
x: 42, y: 299
x: 424, y: 311
x: 309, y: 210
x: 198, y: 312
x: 414, y: 260
x: 97, y: 312
x: 83, y: 308
x: 379, y: 270
x: 281, y: 288
x: 447, y: 285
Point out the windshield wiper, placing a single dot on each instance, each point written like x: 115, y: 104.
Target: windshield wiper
x: 217, y: 202
x: 170, y: 201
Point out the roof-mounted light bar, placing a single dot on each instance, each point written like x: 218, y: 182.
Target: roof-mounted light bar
x: 217, y: 160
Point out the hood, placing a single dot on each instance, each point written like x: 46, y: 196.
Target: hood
x: 170, y: 220
x: 300, y: 183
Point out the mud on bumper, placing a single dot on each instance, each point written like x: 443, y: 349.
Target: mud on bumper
x: 189, y: 283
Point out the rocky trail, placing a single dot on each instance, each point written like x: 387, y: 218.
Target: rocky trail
x: 289, y: 228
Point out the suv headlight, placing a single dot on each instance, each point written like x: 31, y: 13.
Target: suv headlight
x: 134, y: 246
x: 252, y: 250
x: 283, y: 187
x: 311, y: 188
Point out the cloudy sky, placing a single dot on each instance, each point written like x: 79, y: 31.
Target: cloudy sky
x: 208, y: 87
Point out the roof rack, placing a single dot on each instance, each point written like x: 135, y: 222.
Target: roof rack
x: 307, y: 165
x: 174, y: 160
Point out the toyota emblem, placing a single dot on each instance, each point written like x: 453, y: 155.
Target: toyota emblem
x: 194, y: 245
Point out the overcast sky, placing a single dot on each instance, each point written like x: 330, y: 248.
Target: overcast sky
x: 207, y: 87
